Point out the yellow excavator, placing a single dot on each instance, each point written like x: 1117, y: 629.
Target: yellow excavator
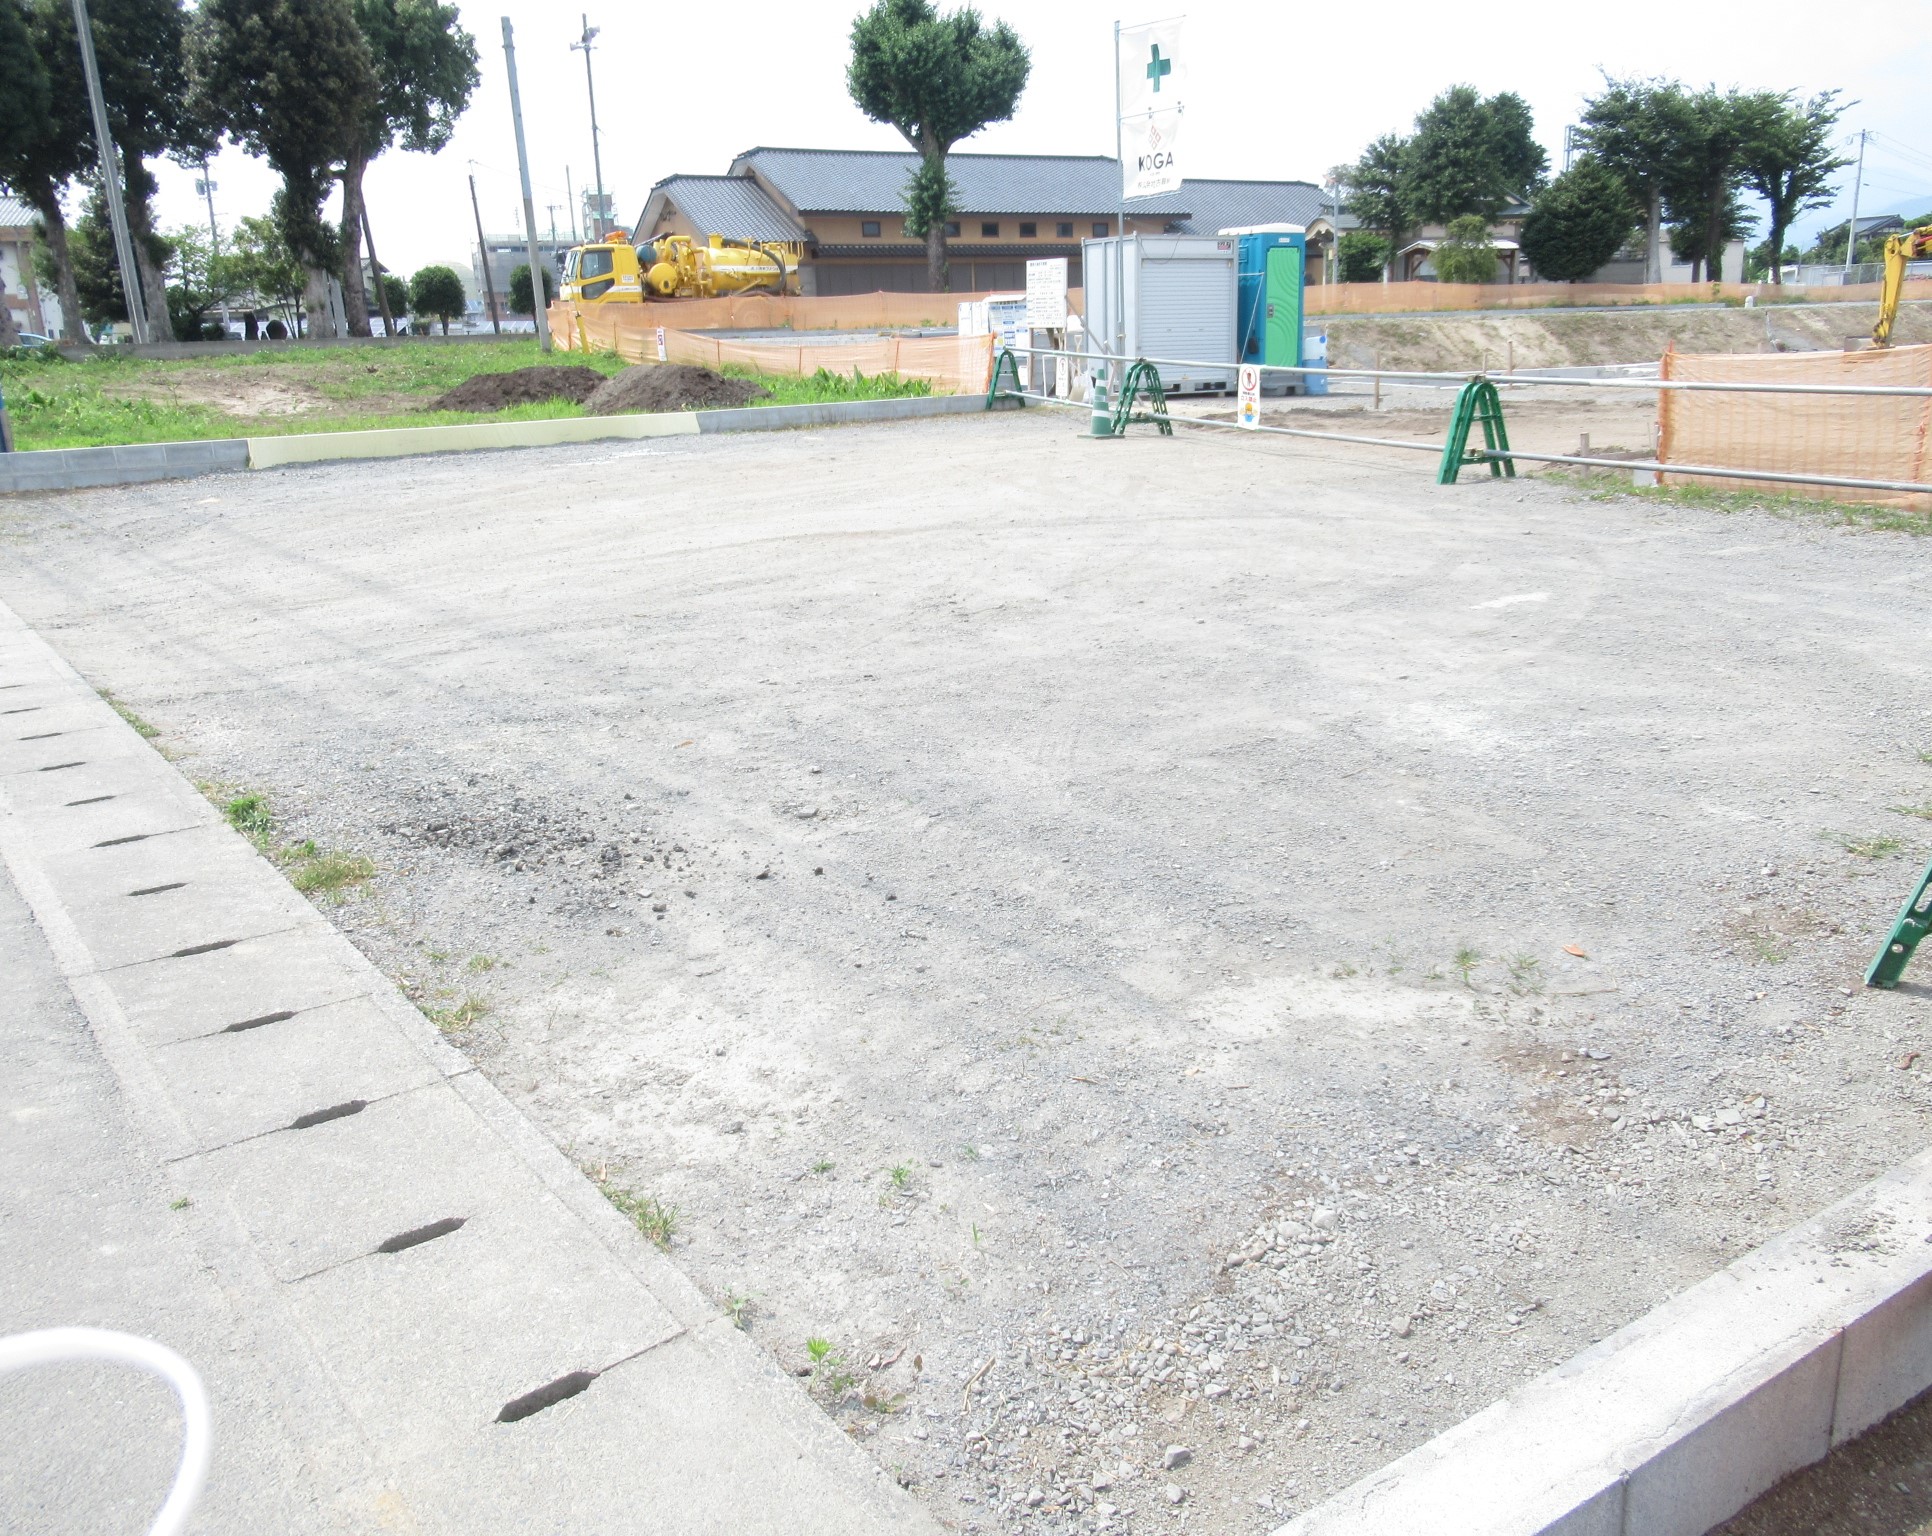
x: 1899, y: 249
x: 614, y: 271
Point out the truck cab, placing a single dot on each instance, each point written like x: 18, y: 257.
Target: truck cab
x: 603, y: 272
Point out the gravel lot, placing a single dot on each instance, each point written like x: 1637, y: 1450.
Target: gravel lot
x: 1207, y: 943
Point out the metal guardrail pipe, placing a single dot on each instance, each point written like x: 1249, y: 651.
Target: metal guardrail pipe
x: 1515, y: 380
x: 1709, y: 471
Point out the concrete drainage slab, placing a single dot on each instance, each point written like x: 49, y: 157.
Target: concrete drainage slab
x: 1674, y: 1423
x: 467, y: 1336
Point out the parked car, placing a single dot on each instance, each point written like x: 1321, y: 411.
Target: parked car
x: 32, y: 340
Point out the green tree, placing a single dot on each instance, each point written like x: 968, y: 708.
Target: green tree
x: 97, y: 269
x: 937, y: 79
x: 426, y: 71
x: 1693, y: 241
x: 293, y: 82
x: 520, y: 289
x: 201, y: 280
x: 1787, y: 159
x: 264, y: 270
x: 45, y: 144
x: 1758, y: 264
x: 1378, y: 191
x: 141, y: 48
x: 1640, y: 130
x: 436, y: 293
x: 25, y: 103
x: 396, y: 291
x: 1470, y: 156
x: 1703, y: 195
x: 1362, y: 256
x: 1578, y: 222
x: 1466, y: 256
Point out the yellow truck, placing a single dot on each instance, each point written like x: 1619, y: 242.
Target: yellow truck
x: 614, y: 271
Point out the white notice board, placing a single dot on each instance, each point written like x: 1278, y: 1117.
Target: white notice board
x: 1046, y: 294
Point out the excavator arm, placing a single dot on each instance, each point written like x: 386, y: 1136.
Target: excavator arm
x: 1899, y: 249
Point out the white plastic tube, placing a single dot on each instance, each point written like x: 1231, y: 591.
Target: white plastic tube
x: 49, y: 1346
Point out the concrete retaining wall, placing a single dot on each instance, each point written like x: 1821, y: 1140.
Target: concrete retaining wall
x: 1671, y: 1425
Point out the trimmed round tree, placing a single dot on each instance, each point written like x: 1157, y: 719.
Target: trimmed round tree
x: 1578, y: 222
x: 1466, y: 256
x: 436, y: 293
x: 520, y: 289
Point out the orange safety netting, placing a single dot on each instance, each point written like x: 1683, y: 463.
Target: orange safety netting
x: 1399, y: 298
x: 1863, y: 437
x: 953, y: 365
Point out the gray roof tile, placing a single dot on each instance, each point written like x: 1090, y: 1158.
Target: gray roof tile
x: 14, y: 214
x: 874, y: 181
x: 1218, y: 205
x: 733, y: 206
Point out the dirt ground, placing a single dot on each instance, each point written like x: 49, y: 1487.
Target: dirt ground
x: 1190, y: 965
x: 1879, y: 1485
x: 671, y: 387
x: 521, y: 386
x: 1556, y: 338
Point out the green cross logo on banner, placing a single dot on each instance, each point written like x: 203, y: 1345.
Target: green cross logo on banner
x: 1158, y: 66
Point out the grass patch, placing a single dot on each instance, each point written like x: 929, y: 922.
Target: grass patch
x: 829, y: 1373
x: 454, y: 1018
x: 652, y: 1217
x: 250, y: 816
x: 1923, y: 812
x: 116, y: 398
x: 824, y: 385
x: 1865, y: 847
x: 141, y: 728
x: 1607, y: 485
x: 324, y: 871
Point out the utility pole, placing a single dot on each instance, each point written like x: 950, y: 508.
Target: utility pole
x: 1851, y: 228
x: 483, y: 251
x: 539, y: 304
x: 137, y: 318
x: 596, y: 152
x: 206, y: 187
x: 376, y: 272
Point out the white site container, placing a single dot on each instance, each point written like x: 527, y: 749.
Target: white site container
x: 1180, y: 304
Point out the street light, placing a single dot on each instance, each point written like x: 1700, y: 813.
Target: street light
x: 596, y: 153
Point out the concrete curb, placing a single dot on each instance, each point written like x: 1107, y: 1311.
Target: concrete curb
x: 315, y: 1116
x: 1675, y: 1423
x: 67, y: 469
x: 72, y: 469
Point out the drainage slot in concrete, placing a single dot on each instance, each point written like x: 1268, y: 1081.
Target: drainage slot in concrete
x: 324, y: 1116
x: 56, y: 767
x: 203, y: 949
x: 545, y: 1397
x: 115, y: 842
x: 267, y: 1018
x: 156, y: 890
x: 93, y: 800
x: 417, y: 1236
x: 43, y: 736
x: 25, y: 709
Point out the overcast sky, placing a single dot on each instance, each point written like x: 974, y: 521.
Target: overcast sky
x: 1274, y: 91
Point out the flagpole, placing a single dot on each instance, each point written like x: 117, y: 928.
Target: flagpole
x: 1120, y: 249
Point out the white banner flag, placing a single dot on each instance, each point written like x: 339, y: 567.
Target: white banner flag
x: 1147, y: 161
x: 1152, y: 76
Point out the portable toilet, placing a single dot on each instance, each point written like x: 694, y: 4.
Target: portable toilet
x: 1273, y: 259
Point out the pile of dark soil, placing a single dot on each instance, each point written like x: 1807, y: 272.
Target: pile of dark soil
x: 670, y: 387
x: 520, y: 386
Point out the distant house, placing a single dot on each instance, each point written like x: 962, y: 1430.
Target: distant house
x: 32, y: 310
x: 843, y: 213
